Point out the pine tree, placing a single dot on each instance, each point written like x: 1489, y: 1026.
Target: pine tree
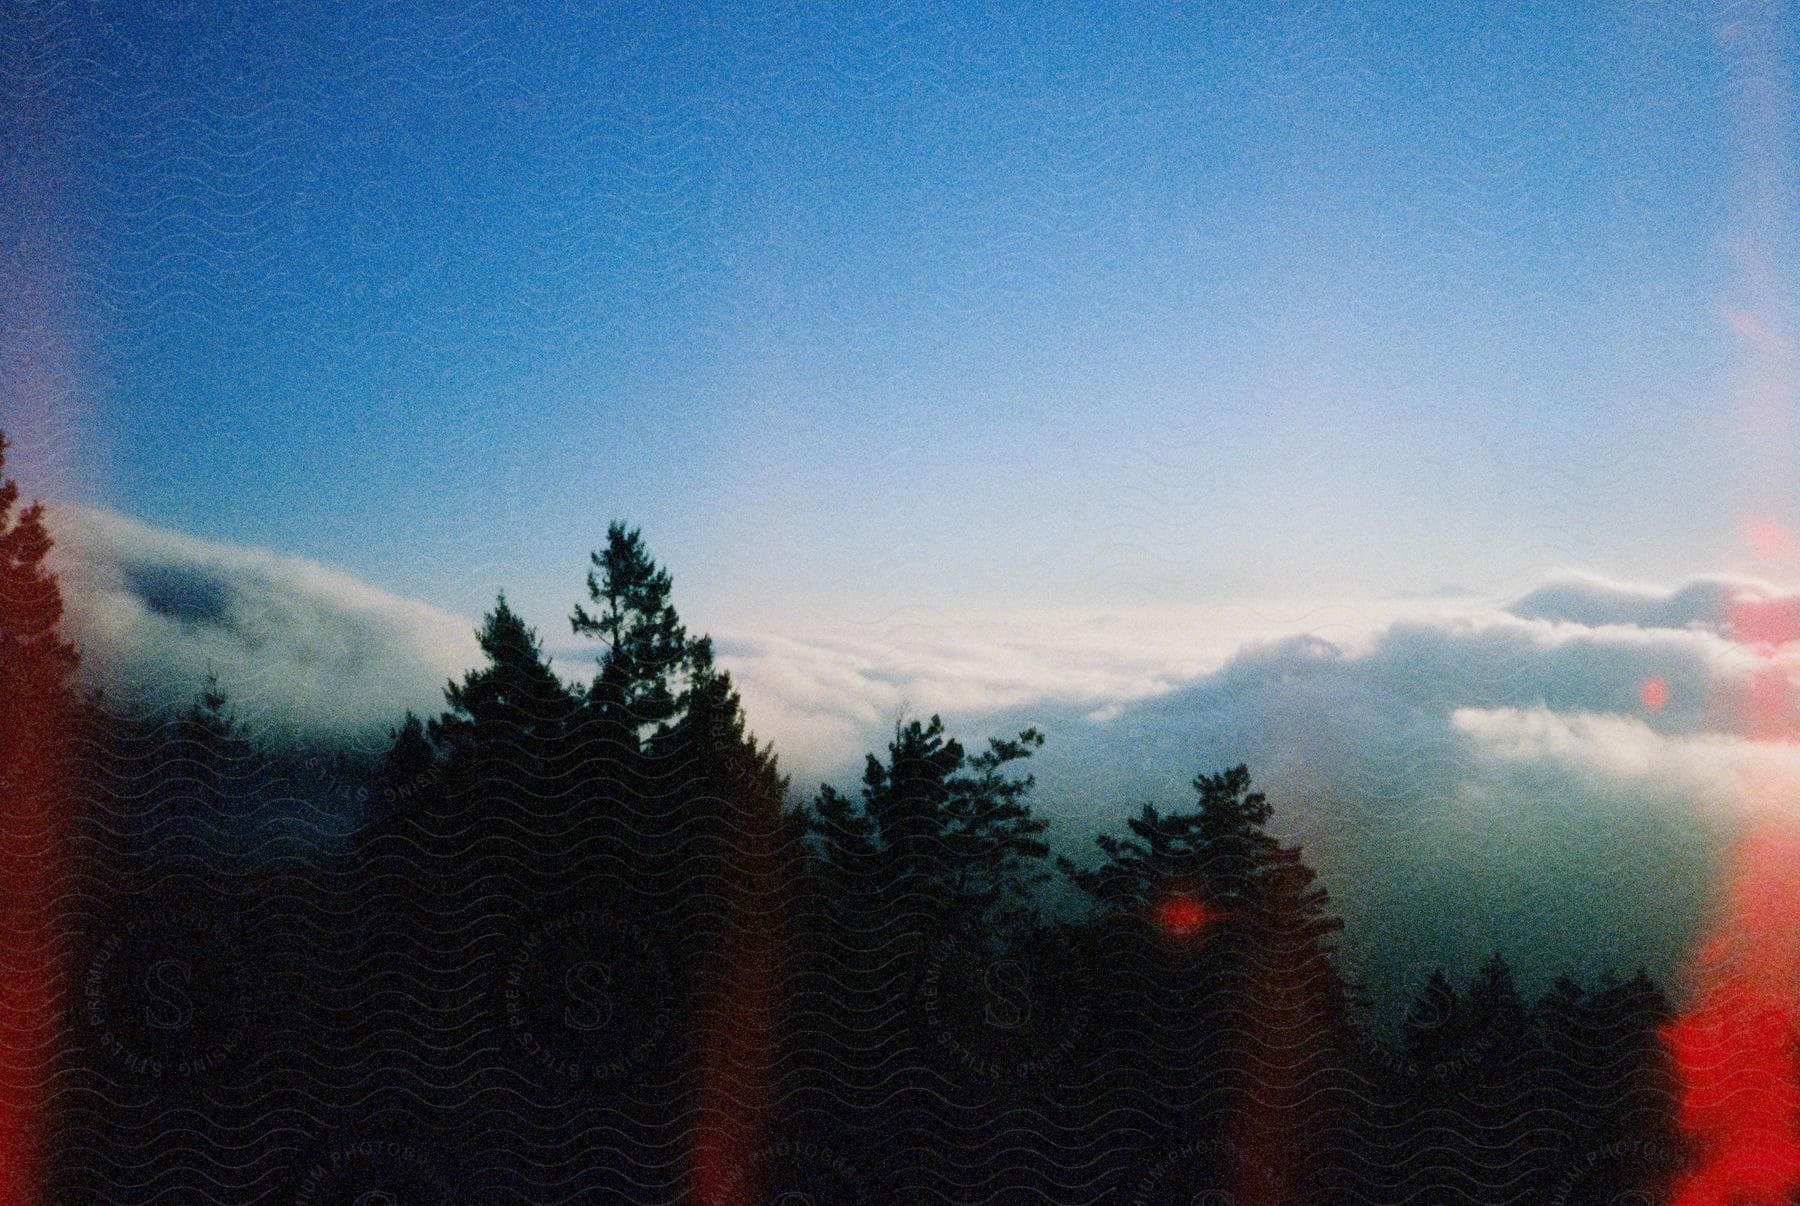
x: 646, y: 645
x: 211, y: 786
x: 1233, y: 942
x: 35, y: 661
x: 483, y: 789
x: 728, y: 859
x: 511, y: 710
x: 930, y: 871
x: 409, y: 768
x: 1220, y: 854
x: 632, y: 794
x: 941, y: 832
x: 1433, y: 1031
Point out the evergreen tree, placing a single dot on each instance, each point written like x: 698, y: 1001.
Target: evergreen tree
x: 632, y: 795
x: 730, y: 858
x: 923, y: 880
x: 409, y: 769
x: 1220, y: 853
x: 940, y: 832
x: 1218, y: 949
x: 210, y: 788
x: 512, y: 710
x: 501, y: 794
x: 1496, y: 1012
x: 1607, y: 1084
x: 35, y: 661
x: 646, y: 645
x: 1434, y: 1028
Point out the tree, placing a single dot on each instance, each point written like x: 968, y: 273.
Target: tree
x: 946, y: 832
x: 1433, y: 1032
x: 515, y: 707
x: 1607, y: 1090
x: 211, y: 785
x: 1232, y: 944
x: 408, y: 769
x: 483, y: 790
x: 1163, y: 855
x: 1495, y: 1008
x: 645, y: 680
x: 1220, y: 853
x: 646, y: 645
x: 35, y: 661
x: 928, y: 873
x: 726, y: 850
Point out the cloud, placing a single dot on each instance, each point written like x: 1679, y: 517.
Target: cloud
x: 305, y: 652
x: 1466, y: 773
x: 1593, y: 601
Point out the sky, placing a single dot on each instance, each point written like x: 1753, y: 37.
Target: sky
x: 1380, y: 394
x: 863, y: 309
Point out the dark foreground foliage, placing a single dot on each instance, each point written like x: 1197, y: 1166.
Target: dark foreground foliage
x: 585, y: 946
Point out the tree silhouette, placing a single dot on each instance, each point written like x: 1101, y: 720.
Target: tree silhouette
x: 212, y: 786
x: 646, y: 644
x: 731, y: 855
x: 948, y: 834
x: 928, y: 875
x: 587, y: 948
x: 35, y: 661
x: 510, y: 712
x: 1219, y: 943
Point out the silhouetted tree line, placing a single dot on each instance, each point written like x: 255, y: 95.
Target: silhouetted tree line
x: 585, y: 946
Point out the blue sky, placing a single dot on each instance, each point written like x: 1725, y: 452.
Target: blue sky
x: 906, y: 306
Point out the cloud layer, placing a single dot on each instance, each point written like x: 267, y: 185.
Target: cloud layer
x: 1554, y: 776
x: 305, y: 652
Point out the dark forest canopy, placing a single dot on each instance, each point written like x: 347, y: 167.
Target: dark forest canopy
x: 586, y: 944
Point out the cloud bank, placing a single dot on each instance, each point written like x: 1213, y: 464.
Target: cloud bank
x: 1555, y: 775
x: 306, y: 653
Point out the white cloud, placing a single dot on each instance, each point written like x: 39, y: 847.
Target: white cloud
x: 1720, y: 773
x: 303, y: 650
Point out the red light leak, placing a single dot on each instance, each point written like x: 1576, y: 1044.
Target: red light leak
x: 30, y: 884
x: 1182, y: 916
x: 1770, y: 540
x: 736, y: 1028
x: 1654, y: 693
x: 1764, y: 624
x: 1734, y: 1048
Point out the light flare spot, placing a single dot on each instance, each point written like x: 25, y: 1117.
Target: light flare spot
x: 1183, y: 916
